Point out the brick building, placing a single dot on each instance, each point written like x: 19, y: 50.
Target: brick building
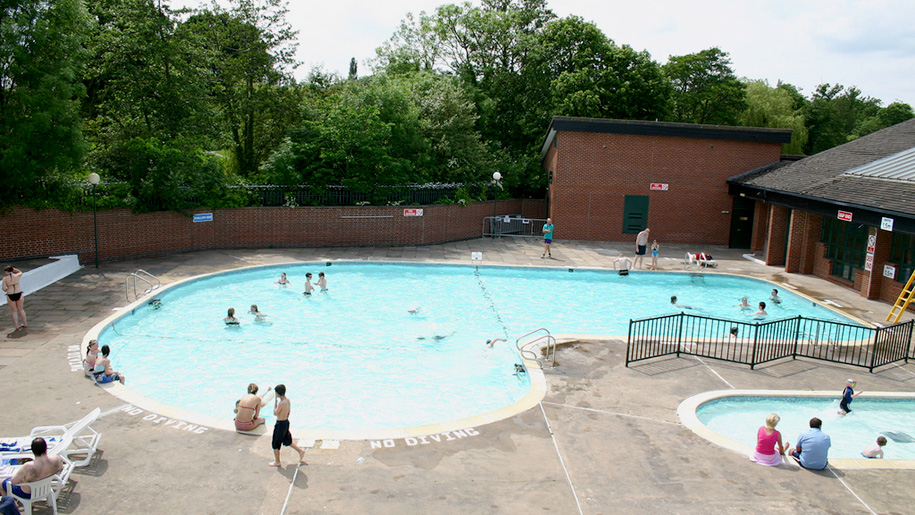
x: 846, y: 214
x: 609, y: 179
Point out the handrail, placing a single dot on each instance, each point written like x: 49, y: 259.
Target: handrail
x: 158, y: 283
x: 136, y: 276
x: 524, y: 348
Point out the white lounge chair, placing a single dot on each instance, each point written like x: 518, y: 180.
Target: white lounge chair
x: 69, y: 440
x: 699, y: 259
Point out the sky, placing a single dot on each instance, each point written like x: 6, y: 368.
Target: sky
x: 869, y: 44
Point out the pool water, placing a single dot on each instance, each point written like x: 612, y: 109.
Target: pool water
x: 740, y: 417
x: 355, y: 358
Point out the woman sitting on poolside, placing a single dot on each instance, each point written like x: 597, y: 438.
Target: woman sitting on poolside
x: 766, y: 440
x: 103, y: 371
x: 91, y: 357
x: 248, y: 409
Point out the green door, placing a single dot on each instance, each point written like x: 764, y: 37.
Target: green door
x: 635, y: 214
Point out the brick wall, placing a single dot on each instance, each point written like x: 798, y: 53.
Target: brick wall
x: 778, y: 225
x: 594, y: 172
x: 123, y: 234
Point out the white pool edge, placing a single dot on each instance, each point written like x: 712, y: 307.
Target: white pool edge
x: 686, y: 412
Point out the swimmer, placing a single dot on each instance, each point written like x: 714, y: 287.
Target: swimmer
x: 775, y: 298
x: 322, y: 282
x: 733, y: 332
x: 744, y: 305
x: 230, y: 318
x: 762, y: 310
x: 308, y: 286
x: 156, y: 304
x: 622, y: 263
x: 258, y: 316
x: 673, y: 300
x: 415, y: 311
x: 490, y: 343
x: 283, y: 281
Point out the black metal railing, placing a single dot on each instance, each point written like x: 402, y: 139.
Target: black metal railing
x: 754, y: 343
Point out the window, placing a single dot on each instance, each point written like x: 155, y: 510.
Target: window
x: 846, y: 245
x: 902, y: 254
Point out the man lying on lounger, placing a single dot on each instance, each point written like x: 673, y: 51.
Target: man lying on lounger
x: 41, y: 467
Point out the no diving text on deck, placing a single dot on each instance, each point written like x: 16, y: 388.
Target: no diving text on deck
x: 411, y: 441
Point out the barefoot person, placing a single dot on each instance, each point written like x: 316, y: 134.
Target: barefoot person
x: 547, y: 238
x: 283, y: 281
x: 655, y: 250
x: 641, y: 245
x: 103, y: 372
x: 322, y: 281
x: 308, y: 286
x: 281, y: 434
x: 41, y: 467
x: 248, y: 409
x: 14, y: 295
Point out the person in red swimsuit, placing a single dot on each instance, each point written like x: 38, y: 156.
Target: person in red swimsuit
x: 248, y: 408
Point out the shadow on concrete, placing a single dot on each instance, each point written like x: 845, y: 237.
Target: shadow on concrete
x: 95, y: 468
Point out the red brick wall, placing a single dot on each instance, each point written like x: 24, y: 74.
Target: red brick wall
x: 778, y: 224
x: 760, y: 223
x: 123, y: 234
x: 594, y: 172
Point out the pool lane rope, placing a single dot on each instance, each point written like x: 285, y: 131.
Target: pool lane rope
x: 492, y: 305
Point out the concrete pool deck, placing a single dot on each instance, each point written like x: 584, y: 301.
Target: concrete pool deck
x: 605, y: 439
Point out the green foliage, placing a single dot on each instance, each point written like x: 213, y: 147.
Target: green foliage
x: 705, y: 89
x: 41, y: 61
x: 897, y: 112
x: 833, y: 113
x: 775, y: 108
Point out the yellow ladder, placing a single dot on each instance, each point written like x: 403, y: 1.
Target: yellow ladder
x: 905, y: 297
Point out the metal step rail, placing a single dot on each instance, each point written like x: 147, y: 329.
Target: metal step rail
x: 524, y: 347
x: 141, y: 275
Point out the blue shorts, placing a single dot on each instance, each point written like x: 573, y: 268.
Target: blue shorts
x: 102, y: 378
x: 547, y: 240
x: 868, y: 457
x: 16, y: 489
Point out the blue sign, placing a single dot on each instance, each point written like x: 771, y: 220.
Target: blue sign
x: 203, y: 217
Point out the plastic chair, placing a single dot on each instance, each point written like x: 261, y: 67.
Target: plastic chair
x: 42, y: 490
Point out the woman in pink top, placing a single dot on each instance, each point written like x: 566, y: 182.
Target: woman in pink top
x: 766, y: 440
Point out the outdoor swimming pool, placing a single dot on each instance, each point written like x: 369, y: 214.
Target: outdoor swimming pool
x: 354, y: 358
x: 738, y: 418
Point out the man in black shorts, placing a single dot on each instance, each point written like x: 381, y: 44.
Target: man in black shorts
x: 281, y: 434
x: 641, y: 244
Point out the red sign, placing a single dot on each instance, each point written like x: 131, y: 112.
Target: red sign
x: 413, y: 212
x: 845, y: 216
x: 657, y: 186
x: 869, y: 262
x: 872, y: 243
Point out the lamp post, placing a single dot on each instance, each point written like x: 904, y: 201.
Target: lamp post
x: 496, y: 178
x: 94, y: 180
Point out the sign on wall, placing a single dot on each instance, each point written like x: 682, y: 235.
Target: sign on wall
x: 845, y: 216
x: 658, y: 186
x: 413, y: 212
x: 203, y: 217
x: 869, y: 262
x: 872, y: 243
x: 886, y: 224
x: 889, y: 271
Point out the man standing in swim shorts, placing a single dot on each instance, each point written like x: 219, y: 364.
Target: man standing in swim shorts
x: 281, y: 434
x: 641, y: 244
x: 547, y: 238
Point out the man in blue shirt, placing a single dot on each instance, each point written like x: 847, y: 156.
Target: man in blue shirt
x: 812, y: 447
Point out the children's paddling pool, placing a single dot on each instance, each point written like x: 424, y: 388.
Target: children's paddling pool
x: 737, y: 416
x: 354, y: 357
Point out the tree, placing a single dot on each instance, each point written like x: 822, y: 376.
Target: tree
x: 705, y: 89
x: 777, y: 108
x: 248, y: 50
x: 41, y: 61
x: 897, y: 112
x: 833, y: 114
x: 587, y: 74
x: 353, y: 68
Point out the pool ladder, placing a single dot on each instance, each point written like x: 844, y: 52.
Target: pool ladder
x: 538, y: 337
x: 146, y: 277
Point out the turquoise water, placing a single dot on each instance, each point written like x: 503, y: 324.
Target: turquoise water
x: 354, y: 358
x: 739, y: 418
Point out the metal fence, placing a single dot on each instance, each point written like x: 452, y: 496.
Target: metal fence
x: 513, y: 225
x: 756, y: 343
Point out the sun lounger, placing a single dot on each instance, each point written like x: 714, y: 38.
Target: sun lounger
x: 699, y: 259
x: 79, y: 439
